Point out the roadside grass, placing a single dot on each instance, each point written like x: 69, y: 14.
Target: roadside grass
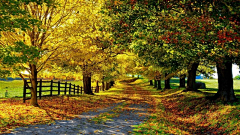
x: 180, y: 112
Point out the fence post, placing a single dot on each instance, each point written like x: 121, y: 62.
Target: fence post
x: 69, y: 88
x: 65, y: 91
x: 40, y: 89
x: 81, y: 89
x: 51, y: 88
x: 58, y: 87
x: 24, y: 91
x: 78, y: 89
x: 74, y: 89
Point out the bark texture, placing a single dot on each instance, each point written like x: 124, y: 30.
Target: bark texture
x: 159, y: 85
x: 103, y: 86
x: 151, y: 82
x: 167, y: 82
x: 33, y: 79
x: 97, y: 87
x: 182, y: 81
x: 155, y: 83
x: 107, y: 86
x: 225, y: 83
x: 191, y: 80
x: 87, y: 84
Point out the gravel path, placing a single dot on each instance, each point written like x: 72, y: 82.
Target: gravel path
x: 135, y: 114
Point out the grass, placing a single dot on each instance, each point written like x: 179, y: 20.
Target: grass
x: 14, y: 113
x: 178, y: 112
x: 211, y: 85
x: 15, y: 88
x: 172, y: 112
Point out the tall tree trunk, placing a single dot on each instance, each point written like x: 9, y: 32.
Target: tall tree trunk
x: 103, y: 86
x: 191, y: 80
x: 159, y: 85
x: 138, y: 76
x: 182, y: 81
x: 87, y: 84
x: 167, y: 82
x: 151, y: 82
x: 225, y: 82
x: 97, y: 87
x: 33, y: 79
x: 107, y: 85
x: 155, y: 83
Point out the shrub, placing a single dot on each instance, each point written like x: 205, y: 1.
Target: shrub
x: 237, y: 77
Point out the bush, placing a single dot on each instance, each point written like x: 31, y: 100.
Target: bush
x: 210, y: 77
x: 237, y: 77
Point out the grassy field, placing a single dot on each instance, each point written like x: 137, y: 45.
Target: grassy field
x: 15, y: 88
x: 211, y: 85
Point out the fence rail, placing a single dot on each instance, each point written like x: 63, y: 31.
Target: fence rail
x: 53, y: 89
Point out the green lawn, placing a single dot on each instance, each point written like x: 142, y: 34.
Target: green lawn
x: 15, y: 88
x: 211, y: 85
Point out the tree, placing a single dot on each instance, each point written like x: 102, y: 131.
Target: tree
x: 210, y: 26
x: 188, y: 29
x: 12, y: 16
x: 34, y: 49
x: 90, y: 50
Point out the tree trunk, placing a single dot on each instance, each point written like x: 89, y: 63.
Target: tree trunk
x: 225, y: 82
x: 182, y: 81
x: 103, y: 86
x: 138, y: 76
x: 167, y: 82
x: 107, y: 85
x: 155, y: 83
x: 159, y: 85
x: 151, y: 82
x: 97, y: 87
x: 132, y: 76
x: 191, y: 80
x: 87, y: 84
x: 33, y: 79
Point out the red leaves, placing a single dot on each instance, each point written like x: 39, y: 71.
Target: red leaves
x: 133, y: 2
x: 226, y: 36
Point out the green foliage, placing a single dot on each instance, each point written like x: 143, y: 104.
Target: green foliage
x: 172, y: 34
x: 13, y: 16
x: 237, y: 77
x: 20, y: 53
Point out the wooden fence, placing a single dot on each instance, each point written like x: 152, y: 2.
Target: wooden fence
x: 51, y: 88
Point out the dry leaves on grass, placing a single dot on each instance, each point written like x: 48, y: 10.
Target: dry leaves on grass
x: 14, y: 113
